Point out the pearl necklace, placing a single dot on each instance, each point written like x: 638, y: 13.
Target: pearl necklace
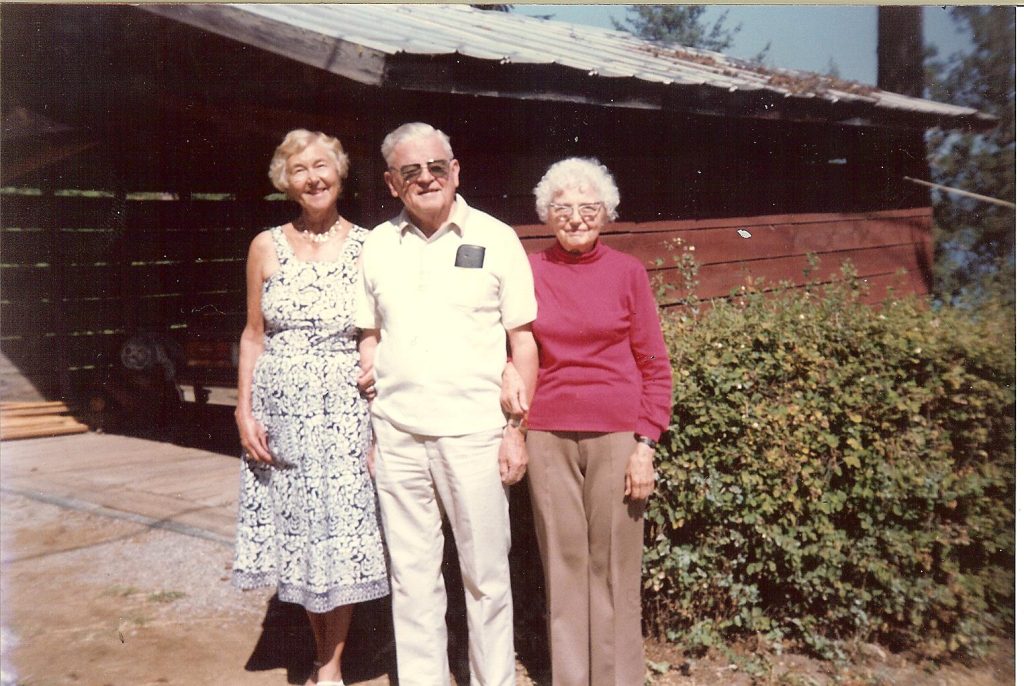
x: 321, y: 237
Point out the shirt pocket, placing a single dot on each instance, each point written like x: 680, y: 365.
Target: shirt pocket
x: 470, y: 288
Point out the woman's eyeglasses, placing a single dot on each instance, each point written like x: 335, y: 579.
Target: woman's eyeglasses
x: 588, y: 210
x: 410, y: 172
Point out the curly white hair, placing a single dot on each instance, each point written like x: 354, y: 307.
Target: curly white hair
x: 575, y: 172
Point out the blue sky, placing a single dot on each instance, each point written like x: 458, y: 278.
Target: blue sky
x: 802, y: 37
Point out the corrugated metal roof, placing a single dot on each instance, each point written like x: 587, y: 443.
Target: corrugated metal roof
x: 430, y: 30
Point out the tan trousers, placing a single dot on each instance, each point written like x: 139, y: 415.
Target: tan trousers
x: 591, y: 544
x: 419, y: 480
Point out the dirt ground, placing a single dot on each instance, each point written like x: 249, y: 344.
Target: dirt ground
x: 91, y: 600
x: 94, y: 600
x: 102, y: 597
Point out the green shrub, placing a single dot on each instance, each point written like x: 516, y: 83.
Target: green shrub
x: 835, y: 471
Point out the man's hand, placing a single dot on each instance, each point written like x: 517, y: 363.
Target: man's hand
x: 371, y: 459
x: 513, y: 393
x: 512, y: 457
x: 640, y: 472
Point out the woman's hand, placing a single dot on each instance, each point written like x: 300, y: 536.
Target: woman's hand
x: 262, y: 260
x: 513, y: 392
x: 369, y: 339
x: 365, y: 383
x: 640, y: 472
x: 254, y: 438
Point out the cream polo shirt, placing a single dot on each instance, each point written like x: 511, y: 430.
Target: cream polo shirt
x: 442, y: 349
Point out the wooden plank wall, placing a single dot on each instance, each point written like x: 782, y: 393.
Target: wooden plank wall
x: 79, y: 275
x: 889, y: 249
x: 109, y: 267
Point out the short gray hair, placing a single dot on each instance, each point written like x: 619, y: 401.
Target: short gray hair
x: 574, y: 172
x: 296, y: 141
x: 416, y: 129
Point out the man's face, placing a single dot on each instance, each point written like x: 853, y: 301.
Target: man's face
x: 428, y: 192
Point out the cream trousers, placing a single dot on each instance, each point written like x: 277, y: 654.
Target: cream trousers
x: 421, y: 479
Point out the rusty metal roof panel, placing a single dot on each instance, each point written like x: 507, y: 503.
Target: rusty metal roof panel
x: 436, y: 29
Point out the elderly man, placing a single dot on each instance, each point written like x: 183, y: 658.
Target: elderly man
x: 446, y: 285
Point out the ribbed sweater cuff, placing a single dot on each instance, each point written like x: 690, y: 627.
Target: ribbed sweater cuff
x: 645, y: 428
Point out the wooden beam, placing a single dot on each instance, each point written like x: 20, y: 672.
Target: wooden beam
x: 920, y: 217
x: 27, y: 408
x: 335, y: 55
x: 57, y: 427
x: 58, y: 258
x: 41, y: 154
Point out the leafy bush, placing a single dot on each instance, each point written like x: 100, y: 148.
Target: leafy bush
x: 835, y: 471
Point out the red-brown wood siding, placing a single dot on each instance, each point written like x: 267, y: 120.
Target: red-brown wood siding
x: 892, y: 248
x: 176, y: 267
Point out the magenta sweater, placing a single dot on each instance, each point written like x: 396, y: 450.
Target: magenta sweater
x: 603, y: 363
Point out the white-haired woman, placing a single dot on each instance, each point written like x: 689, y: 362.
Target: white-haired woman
x: 602, y: 400
x: 307, y: 511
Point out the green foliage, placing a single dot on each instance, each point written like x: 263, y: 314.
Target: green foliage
x: 832, y: 69
x: 679, y: 24
x: 835, y: 471
x: 682, y: 25
x: 975, y: 241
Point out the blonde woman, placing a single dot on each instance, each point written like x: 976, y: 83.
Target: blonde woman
x: 307, y: 510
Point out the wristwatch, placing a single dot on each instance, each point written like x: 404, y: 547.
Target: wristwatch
x: 649, y: 442
x: 517, y: 423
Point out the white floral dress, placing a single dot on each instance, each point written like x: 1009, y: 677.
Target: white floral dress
x: 309, y: 524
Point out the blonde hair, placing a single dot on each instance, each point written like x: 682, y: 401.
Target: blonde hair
x: 298, y: 140
x: 574, y: 172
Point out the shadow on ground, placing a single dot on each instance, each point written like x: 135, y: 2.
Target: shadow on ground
x: 205, y: 427
x: 287, y: 642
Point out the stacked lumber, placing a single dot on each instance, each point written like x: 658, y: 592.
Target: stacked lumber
x: 37, y: 419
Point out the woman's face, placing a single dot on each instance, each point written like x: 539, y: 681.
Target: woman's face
x: 313, y: 180
x: 576, y: 216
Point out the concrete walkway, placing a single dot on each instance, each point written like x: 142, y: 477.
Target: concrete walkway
x: 91, y: 534
x: 149, y: 486
x: 164, y: 485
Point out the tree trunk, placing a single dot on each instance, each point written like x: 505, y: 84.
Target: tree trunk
x: 901, y: 50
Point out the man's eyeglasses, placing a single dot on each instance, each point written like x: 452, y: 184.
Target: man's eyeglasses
x: 588, y: 210
x: 410, y: 172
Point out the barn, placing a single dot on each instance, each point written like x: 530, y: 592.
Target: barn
x: 135, y: 141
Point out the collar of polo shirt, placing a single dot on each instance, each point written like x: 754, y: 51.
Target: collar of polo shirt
x: 456, y: 219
